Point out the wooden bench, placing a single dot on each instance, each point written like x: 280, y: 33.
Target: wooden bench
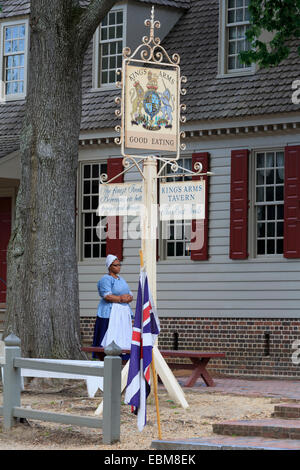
x: 199, y: 361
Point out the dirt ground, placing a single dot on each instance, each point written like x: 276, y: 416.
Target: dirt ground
x: 176, y: 422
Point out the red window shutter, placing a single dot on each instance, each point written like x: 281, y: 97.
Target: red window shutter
x: 200, y: 227
x: 291, y: 244
x: 239, y: 204
x: 114, y: 244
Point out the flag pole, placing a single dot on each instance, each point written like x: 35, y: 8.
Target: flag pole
x: 156, y: 396
x: 153, y: 374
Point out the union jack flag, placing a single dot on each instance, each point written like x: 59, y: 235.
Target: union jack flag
x: 145, y: 331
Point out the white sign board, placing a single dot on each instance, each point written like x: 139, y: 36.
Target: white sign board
x: 182, y: 200
x: 151, y: 107
x: 120, y: 199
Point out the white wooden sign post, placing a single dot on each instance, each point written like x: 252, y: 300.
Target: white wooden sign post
x: 150, y: 121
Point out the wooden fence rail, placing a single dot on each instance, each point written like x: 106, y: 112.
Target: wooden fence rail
x: 111, y: 372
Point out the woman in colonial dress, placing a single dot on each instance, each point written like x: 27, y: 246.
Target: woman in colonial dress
x: 114, y: 316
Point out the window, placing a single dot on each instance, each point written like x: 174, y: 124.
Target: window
x: 176, y: 234
x: 269, y: 202
x: 14, y: 45
x: 109, y: 44
x: 92, y: 226
x: 234, y: 16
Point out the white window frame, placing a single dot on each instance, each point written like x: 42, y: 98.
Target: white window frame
x: 252, y: 221
x: 82, y: 211
x: 17, y: 96
x: 223, y: 46
x: 163, y: 241
x: 96, y: 53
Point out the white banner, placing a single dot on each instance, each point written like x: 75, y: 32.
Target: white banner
x: 120, y: 199
x: 182, y: 200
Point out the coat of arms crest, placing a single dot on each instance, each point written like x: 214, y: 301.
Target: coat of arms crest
x: 152, y: 108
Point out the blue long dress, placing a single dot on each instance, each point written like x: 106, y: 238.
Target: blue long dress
x: 107, y: 285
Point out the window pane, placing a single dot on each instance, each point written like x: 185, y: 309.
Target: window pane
x: 95, y: 171
x: 270, y: 176
x: 261, y: 213
x: 119, y: 31
x: 105, y: 63
x: 86, y: 203
x: 8, y: 33
x: 231, y: 16
x: 8, y: 47
x: 86, y: 171
x: 112, y: 62
x: 279, y: 193
x: 260, y: 230
x: 268, y: 238
x: 94, y: 202
x: 270, y: 194
x: 179, y: 249
x: 88, y: 235
x: 87, y: 251
x: 261, y: 247
x: 113, y: 48
x: 279, y: 244
x: 279, y: 159
x: 232, y: 33
x: 96, y: 250
x: 112, y: 33
x: 271, y: 230
x: 105, y: 49
x: 271, y: 212
x: 270, y: 247
x: 239, y: 14
x: 270, y: 160
x: 87, y: 187
x: 88, y: 220
x: 280, y: 212
x: 231, y: 63
x: 280, y: 229
x: 112, y: 76
x: 15, y: 32
x: 95, y: 187
x: 111, y: 18
x: 260, y: 177
x: 260, y: 195
x: 104, y: 76
x: 170, y: 251
x: 260, y: 161
x: 279, y: 176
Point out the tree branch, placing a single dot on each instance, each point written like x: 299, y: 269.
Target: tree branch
x: 90, y: 20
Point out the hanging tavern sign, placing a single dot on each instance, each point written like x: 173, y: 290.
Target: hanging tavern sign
x: 119, y: 199
x: 150, y: 103
x: 151, y: 108
x: 182, y: 200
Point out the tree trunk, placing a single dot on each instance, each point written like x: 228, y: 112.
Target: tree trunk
x: 42, y: 278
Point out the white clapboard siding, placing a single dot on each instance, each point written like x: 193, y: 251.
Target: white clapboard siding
x: 219, y: 287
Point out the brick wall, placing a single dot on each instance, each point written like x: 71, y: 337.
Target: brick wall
x: 253, y: 347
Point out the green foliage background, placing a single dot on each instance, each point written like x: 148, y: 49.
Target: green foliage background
x: 281, y: 17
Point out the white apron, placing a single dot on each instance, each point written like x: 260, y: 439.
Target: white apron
x: 119, y: 327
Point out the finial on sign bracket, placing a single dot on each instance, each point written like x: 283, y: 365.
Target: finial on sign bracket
x: 152, y: 24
